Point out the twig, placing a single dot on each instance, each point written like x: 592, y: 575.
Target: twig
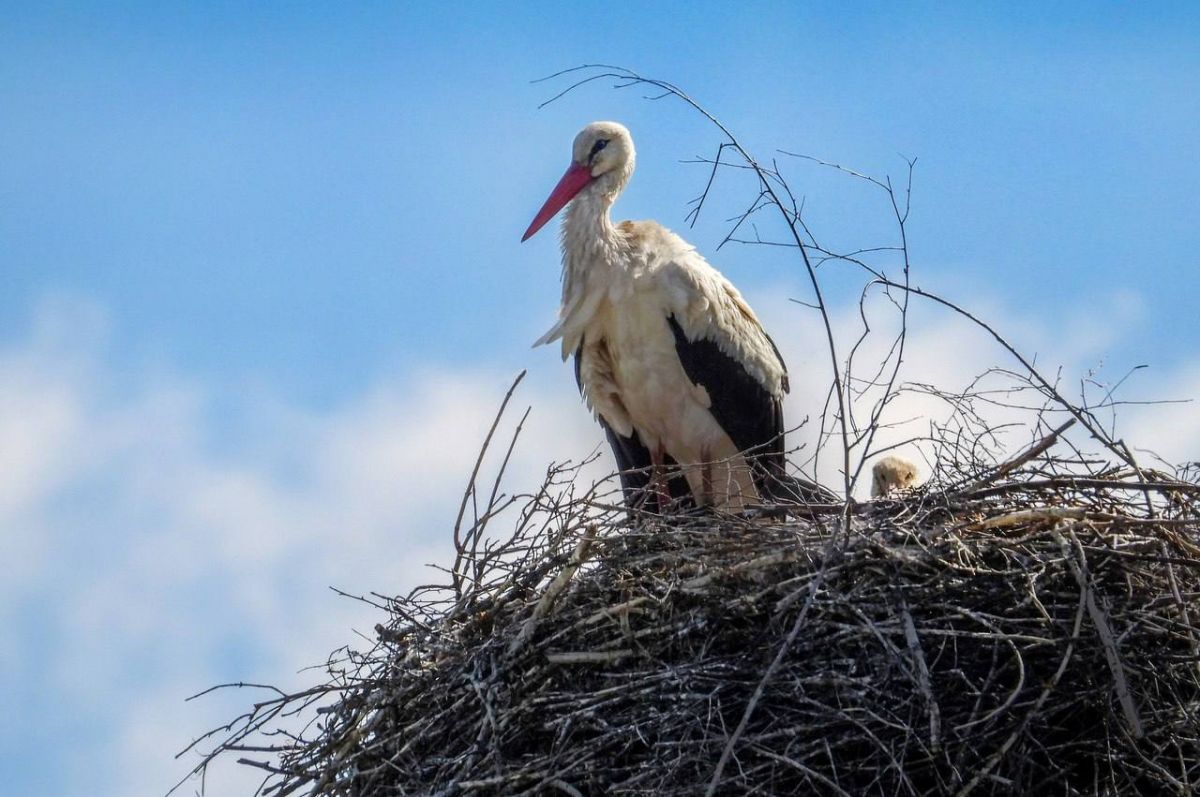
x: 587, y: 656
x: 1078, y: 564
x: 459, y: 547
x: 923, y: 682
x: 1034, y: 451
x: 553, y: 590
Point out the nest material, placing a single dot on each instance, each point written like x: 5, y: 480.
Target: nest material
x: 1041, y: 636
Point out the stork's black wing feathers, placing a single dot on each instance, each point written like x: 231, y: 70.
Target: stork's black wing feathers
x: 633, y: 461
x: 748, y: 413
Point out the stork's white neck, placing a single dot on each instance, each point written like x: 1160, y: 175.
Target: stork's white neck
x: 592, y: 246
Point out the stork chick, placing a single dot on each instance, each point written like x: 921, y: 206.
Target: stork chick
x: 669, y: 356
x: 892, y: 475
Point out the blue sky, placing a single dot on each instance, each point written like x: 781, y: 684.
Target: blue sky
x: 258, y: 264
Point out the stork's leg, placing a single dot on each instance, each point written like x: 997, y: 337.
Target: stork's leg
x: 658, y: 479
x: 706, y: 478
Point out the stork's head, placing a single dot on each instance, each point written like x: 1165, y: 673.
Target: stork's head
x: 892, y: 475
x: 604, y: 148
x: 602, y: 159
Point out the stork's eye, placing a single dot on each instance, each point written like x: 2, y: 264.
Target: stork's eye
x: 599, y: 145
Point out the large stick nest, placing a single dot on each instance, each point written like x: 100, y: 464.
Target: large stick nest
x: 1037, y: 635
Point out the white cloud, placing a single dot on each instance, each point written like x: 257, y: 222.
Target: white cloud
x: 1171, y: 431
x: 160, y: 562
x: 160, y: 558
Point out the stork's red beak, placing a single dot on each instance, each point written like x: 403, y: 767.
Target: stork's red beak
x: 571, y: 184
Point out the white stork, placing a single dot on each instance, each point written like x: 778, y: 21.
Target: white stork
x: 892, y: 475
x: 669, y: 356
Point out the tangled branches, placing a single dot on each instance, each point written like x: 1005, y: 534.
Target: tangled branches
x: 1031, y: 634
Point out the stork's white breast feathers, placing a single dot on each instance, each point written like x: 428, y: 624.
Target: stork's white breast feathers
x: 658, y: 272
x: 598, y: 382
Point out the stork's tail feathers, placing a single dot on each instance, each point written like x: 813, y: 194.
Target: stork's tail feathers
x: 552, y: 334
